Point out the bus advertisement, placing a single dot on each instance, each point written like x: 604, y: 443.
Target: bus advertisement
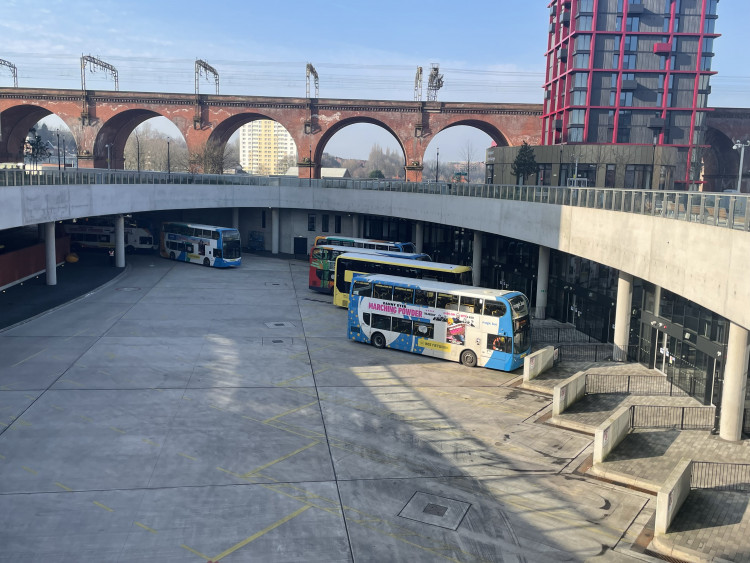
x: 201, y: 244
x: 99, y: 234
x: 372, y: 244
x: 323, y: 263
x: 349, y: 264
x: 472, y: 325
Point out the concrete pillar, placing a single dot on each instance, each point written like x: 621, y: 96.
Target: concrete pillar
x: 275, y: 230
x: 419, y: 235
x: 355, y: 225
x: 50, y: 253
x: 476, y: 259
x: 236, y: 217
x: 542, y: 281
x: 735, y: 383
x: 622, y: 316
x: 120, y: 241
x: 40, y: 232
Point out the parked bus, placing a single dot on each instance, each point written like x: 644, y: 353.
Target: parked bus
x: 101, y: 234
x: 355, y: 263
x: 372, y: 244
x: 475, y: 326
x: 323, y: 263
x: 201, y: 244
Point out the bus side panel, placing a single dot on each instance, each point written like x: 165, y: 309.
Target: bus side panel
x: 356, y: 330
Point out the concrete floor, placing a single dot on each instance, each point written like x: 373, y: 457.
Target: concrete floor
x: 185, y: 414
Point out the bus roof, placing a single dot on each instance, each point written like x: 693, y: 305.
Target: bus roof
x: 353, y: 239
x: 422, y: 265
x: 348, y: 250
x: 199, y: 226
x: 432, y: 285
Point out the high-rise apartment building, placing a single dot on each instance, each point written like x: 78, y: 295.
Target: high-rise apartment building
x: 266, y: 148
x: 631, y: 72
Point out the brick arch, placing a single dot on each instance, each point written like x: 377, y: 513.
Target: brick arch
x: 721, y: 161
x: 485, y: 127
x: 115, y: 132
x: 344, y: 123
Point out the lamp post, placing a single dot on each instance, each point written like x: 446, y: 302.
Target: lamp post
x: 169, y: 167
x: 309, y: 170
x: 741, y: 147
x: 65, y: 157
x: 138, y: 153
x: 437, y: 164
x: 58, y: 151
x: 108, y: 161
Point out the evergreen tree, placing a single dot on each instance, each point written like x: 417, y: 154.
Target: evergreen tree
x: 525, y: 162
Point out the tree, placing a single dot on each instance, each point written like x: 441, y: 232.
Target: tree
x: 377, y: 174
x: 525, y: 162
x: 36, y: 148
x: 468, y: 154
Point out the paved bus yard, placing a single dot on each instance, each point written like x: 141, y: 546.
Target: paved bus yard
x: 183, y: 413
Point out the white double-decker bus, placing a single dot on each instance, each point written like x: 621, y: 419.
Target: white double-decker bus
x: 101, y: 234
x: 472, y: 325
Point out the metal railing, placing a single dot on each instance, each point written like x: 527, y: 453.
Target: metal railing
x: 584, y: 352
x: 632, y: 385
x: 722, y: 476
x: 680, y: 418
x: 719, y: 209
x: 560, y: 334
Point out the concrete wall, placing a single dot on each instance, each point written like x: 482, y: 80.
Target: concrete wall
x: 538, y: 362
x: 18, y: 265
x: 568, y: 392
x: 610, y: 433
x: 672, y: 494
x: 705, y: 264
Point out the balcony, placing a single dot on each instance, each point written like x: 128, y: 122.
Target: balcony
x: 629, y: 85
x: 635, y: 9
x: 657, y: 123
x: 562, y: 54
x: 662, y: 48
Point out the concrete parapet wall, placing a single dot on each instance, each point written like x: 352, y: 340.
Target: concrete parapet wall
x: 568, y: 392
x: 610, y: 433
x: 672, y: 494
x: 538, y: 362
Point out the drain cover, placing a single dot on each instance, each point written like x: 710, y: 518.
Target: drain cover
x: 434, y: 510
x: 280, y: 325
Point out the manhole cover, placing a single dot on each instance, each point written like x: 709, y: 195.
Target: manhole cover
x: 436, y: 511
x: 277, y: 341
x: 127, y: 288
x: 280, y: 325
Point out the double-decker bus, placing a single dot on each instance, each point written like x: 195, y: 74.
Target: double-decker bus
x: 201, y: 244
x: 472, y: 325
x: 349, y: 264
x: 323, y: 263
x: 372, y: 244
x: 101, y: 234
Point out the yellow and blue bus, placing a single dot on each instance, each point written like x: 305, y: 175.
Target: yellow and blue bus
x: 372, y: 244
x: 323, y: 263
x: 201, y: 244
x: 475, y: 326
x: 349, y: 264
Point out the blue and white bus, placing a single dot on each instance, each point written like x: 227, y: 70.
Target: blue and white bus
x: 472, y: 325
x: 201, y: 244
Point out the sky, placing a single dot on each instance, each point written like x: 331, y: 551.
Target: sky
x: 487, y: 52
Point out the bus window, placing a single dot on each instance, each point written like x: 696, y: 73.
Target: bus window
x: 470, y: 305
x: 383, y: 322
x: 495, y: 309
x: 423, y: 330
x: 362, y: 288
x: 103, y: 238
x: 402, y: 325
x: 498, y: 343
x: 366, y: 318
x: 403, y: 295
x: 447, y: 301
x: 424, y: 298
x: 382, y: 291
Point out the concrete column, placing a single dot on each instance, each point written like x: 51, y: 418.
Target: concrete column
x: 120, y: 241
x: 275, y: 230
x: 622, y: 316
x: 476, y: 259
x: 542, y: 281
x: 735, y: 383
x: 236, y: 217
x: 419, y: 235
x: 40, y: 232
x: 50, y: 253
x: 355, y: 226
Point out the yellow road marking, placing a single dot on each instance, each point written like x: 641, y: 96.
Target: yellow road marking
x: 105, y: 507
x: 146, y: 527
x: 86, y: 418
x: 232, y: 473
x: 4, y: 424
x: 29, y: 470
x: 287, y: 456
x: 27, y: 359
x: 198, y: 553
x: 290, y: 411
x: 63, y: 487
x: 58, y: 407
x: 273, y: 526
x: 120, y: 430
x: 187, y: 456
x: 2, y: 457
x: 287, y: 381
x: 150, y: 442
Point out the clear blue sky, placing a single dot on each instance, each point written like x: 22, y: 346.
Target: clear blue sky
x: 487, y: 51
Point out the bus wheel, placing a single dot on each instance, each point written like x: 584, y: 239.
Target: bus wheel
x: 129, y: 249
x: 378, y: 340
x: 206, y: 262
x: 468, y: 358
x: 171, y: 255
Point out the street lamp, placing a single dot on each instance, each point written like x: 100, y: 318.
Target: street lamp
x: 138, y: 152
x: 108, y: 161
x: 58, y: 151
x: 169, y: 167
x: 741, y: 147
x: 437, y: 164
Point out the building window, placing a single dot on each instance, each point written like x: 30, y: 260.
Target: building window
x: 631, y: 43
x: 638, y: 176
x: 609, y: 176
x: 585, y: 23
x: 626, y: 99
x: 577, y: 117
x: 580, y: 80
x: 623, y: 128
x: 587, y: 6
x: 633, y: 23
x: 705, y: 63
x: 629, y: 61
x: 583, y: 42
x: 581, y: 60
x: 311, y: 222
x: 337, y: 224
x: 544, y: 175
x: 615, y: 60
x: 324, y: 224
x: 575, y: 134
x: 579, y: 98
